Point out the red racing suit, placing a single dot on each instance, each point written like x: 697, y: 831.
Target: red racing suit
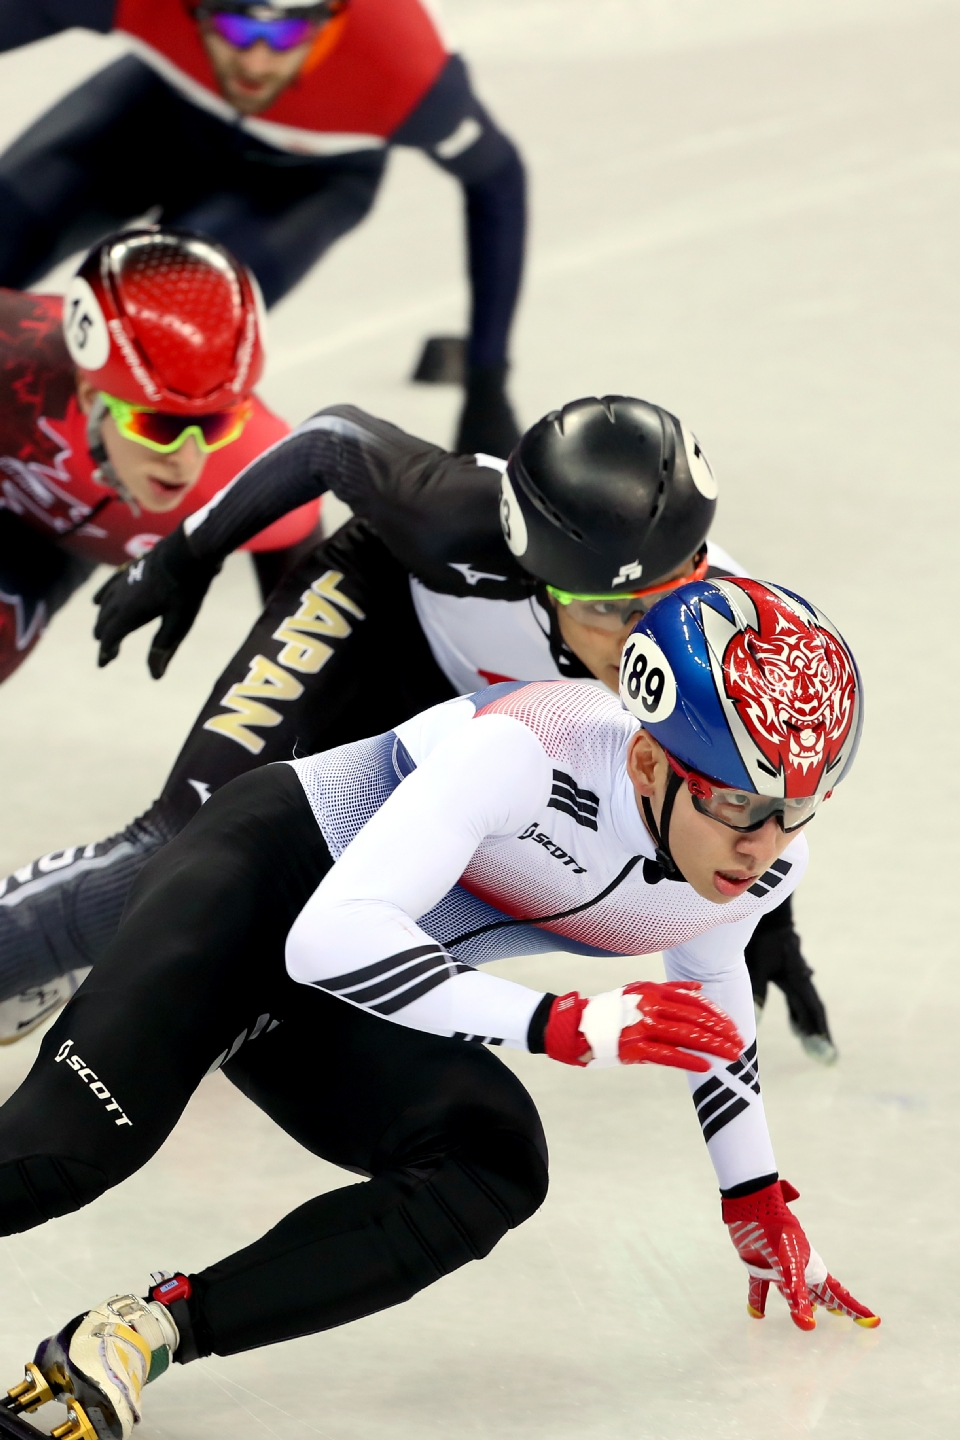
x: 57, y: 523
x: 368, y: 69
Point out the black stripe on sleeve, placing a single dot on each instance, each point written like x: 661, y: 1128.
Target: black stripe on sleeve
x: 439, y: 960
x: 415, y: 992
x: 379, y: 967
x: 707, y: 1088
x: 747, y: 1069
x: 554, y: 804
x: 566, y: 786
x: 725, y: 1117
x: 716, y: 1106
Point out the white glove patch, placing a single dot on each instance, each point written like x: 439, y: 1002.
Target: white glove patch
x: 604, y: 1018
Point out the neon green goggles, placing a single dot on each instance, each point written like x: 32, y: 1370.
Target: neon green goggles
x: 613, y: 612
x: 164, y: 432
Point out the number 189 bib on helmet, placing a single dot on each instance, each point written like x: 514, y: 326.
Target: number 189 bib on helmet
x: 754, y: 696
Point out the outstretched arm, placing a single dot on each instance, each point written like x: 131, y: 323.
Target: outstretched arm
x: 457, y: 132
x: 437, y: 513
x: 728, y: 1101
x: 430, y: 508
x: 23, y: 21
x: 765, y: 1232
x: 358, y: 938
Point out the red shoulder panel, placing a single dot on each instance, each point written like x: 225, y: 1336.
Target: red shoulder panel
x: 166, y: 26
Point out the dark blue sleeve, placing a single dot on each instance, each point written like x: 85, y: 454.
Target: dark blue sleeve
x: 455, y: 130
x: 22, y: 21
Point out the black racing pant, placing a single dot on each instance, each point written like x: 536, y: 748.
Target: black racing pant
x: 371, y: 669
x: 450, y: 1139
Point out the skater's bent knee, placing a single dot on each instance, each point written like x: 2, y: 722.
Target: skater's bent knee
x: 41, y: 1187
x: 467, y: 1204
x: 512, y: 1169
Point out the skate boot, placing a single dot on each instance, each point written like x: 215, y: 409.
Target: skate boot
x: 98, y: 1365
x: 21, y: 1014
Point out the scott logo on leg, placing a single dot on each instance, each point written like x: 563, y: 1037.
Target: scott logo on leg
x: 89, y: 1079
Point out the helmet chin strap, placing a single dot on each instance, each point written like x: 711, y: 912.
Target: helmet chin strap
x: 105, y: 474
x: 564, y: 658
x: 665, y: 862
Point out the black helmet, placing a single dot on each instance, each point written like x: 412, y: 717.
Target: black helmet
x: 606, y: 497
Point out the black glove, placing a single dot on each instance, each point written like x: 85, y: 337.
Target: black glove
x: 169, y: 582
x: 487, y: 422
x: 774, y: 954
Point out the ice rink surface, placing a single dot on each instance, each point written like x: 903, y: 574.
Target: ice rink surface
x: 748, y: 212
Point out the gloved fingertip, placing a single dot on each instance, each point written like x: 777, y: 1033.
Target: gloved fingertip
x: 869, y: 1322
x: 157, y: 662
x: 803, y: 1319
x: 756, y: 1314
x: 107, y: 653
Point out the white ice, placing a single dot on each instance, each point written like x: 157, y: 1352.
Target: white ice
x: 747, y: 211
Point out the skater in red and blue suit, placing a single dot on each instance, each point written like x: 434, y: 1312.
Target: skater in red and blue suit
x: 268, y: 127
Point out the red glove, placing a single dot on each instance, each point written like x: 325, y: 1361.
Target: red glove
x: 641, y: 1024
x: 772, y: 1245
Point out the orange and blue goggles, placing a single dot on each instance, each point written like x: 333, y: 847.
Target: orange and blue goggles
x: 242, y: 30
x: 164, y: 432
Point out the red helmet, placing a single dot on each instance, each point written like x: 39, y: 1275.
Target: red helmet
x: 167, y: 319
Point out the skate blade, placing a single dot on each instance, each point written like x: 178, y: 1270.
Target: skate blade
x: 32, y: 1392
x: 78, y: 1427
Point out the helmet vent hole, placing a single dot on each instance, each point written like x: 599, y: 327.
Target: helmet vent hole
x: 549, y: 511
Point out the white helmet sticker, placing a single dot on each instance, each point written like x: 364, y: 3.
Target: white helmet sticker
x: 511, y: 518
x: 647, y: 684
x: 699, y: 465
x: 84, y: 327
